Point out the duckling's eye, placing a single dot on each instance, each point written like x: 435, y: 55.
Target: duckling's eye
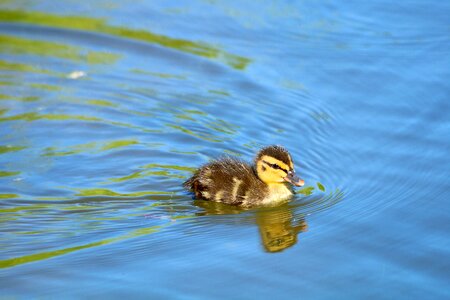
x: 275, y: 166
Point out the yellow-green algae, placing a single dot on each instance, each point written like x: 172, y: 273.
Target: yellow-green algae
x: 106, y: 192
x: 166, y: 172
x: 101, y: 26
x: 19, y: 98
x: 307, y: 190
x: 92, y: 147
x: 8, y: 196
x: 8, y: 173
x: 9, y: 148
x: 100, y: 102
x: 20, y: 67
x: 16, y: 45
x: 320, y: 186
x: 11, y: 262
x: 33, y: 116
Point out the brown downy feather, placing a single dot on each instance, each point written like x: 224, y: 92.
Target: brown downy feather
x: 227, y: 180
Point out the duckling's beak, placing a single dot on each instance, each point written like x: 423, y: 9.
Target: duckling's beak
x: 294, y: 179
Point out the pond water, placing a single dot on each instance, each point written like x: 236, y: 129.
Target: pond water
x: 106, y: 107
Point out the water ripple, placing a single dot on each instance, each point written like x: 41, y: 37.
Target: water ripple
x: 103, y: 120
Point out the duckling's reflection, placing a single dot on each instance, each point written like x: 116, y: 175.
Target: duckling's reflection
x: 278, y: 226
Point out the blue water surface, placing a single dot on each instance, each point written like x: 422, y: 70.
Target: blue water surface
x: 106, y: 107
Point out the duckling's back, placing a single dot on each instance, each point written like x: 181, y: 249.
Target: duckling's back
x: 229, y: 181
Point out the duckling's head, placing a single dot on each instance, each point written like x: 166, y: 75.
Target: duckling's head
x: 274, y: 165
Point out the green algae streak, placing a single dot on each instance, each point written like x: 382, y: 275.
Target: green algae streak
x: 11, y: 262
x: 101, y: 26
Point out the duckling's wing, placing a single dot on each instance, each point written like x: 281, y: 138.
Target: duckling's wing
x: 227, y: 180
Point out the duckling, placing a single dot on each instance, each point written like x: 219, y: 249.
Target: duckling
x: 231, y: 181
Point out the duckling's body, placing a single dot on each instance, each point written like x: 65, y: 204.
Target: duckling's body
x: 232, y: 181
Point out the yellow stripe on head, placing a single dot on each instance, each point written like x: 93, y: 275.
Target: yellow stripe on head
x: 277, y: 152
x: 273, y: 161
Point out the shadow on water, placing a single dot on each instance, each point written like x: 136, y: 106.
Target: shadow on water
x: 278, y: 226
